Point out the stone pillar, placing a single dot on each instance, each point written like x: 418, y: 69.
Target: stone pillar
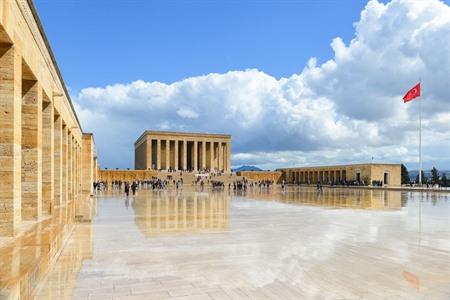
x: 80, y: 169
x: 57, y: 160
x: 158, y: 154
x: 228, y: 159
x: 167, y: 154
x: 175, y: 165
x: 220, y: 157
x: 195, y: 156
x: 87, y: 163
x: 211, y: 155
x: 184, y: 154
x: 203, y: 154
x: 47, y: 156
x: 149, y: 154
x: 10, y: 141
x: 70, y: 167
x: 76, y: 162
x: 64, y: 165
x: 31, y: 150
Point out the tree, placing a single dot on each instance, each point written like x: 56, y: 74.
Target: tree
x: 405, y: 175
x: 434, y: 176
x: 424, y: 179
x: 444, y: 180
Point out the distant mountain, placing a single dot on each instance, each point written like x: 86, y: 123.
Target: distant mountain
x: 247, y: 168
x: 413, y: 173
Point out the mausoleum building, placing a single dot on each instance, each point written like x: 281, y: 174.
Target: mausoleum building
x: 166, y: 150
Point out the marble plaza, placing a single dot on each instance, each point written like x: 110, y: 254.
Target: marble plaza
x: 261, y: 244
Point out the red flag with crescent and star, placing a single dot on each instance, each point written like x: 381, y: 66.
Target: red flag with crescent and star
x: 412, y: 93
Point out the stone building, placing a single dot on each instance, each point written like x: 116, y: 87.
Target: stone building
x: 388, y: 174
x: 164, y: 150
x: 41, y: 140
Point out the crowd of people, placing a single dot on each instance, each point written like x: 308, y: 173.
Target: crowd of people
x: 215, y: 180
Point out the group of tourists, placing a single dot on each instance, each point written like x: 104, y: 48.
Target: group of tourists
x: 134, y: 185
x: 215, y: 180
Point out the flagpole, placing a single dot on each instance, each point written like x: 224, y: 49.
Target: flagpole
x: 420, y: 134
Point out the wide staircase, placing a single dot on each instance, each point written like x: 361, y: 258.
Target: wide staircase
x: 190, y: 177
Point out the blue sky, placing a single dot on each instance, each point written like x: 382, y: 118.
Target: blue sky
x: 104, y: 42
x: 294, y: 82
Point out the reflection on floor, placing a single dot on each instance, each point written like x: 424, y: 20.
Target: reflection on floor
x: 332, y: 198
x: 175, y: 213
x: 258, y: 244
x: 25, y: 260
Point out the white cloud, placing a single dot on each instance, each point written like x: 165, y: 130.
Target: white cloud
x: 346, y: 109
x: 186, y: 112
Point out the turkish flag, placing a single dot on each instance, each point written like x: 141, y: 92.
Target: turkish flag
x: 412, y: 93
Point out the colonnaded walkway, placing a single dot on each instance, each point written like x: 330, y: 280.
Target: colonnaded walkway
x: 261, y: 244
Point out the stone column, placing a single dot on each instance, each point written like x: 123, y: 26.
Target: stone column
x: 158, y: 154
x: 64, y: 165
x: 175, y: 165
x: 203, y: 154
x: 149, y: 154
x: 47, y: 156
x: 70, y: 168
x: 228, y: 159
x: 31, y: 150
x: 184, y: 154
x: 78, y: 167
x: 220, y: 156
x: 57, y: 160
x: 10, y: 141
x: 167, y: 154
x: 211, y: 155
x: 75, y: 169
x: 195, y: 156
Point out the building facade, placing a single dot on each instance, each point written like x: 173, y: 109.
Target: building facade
x: 387, y: 174
x: 40, y: 135
x: 165, y: 150
x: 109, y: 176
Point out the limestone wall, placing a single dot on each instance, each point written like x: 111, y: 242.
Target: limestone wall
x: 140, y: 157
x: 125, y: 175
x: 40, y: 135
x: 275, y: 176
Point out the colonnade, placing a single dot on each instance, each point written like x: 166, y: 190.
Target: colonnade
x: 40, y: 136
x: 190, y: 155
x: 314, y: 176
x: 40, y: 152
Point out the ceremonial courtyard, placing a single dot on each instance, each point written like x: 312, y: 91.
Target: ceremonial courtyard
x: 182, y: 224
x: 259, y: 244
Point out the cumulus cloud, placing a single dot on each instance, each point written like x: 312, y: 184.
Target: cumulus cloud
x: 345, y: 109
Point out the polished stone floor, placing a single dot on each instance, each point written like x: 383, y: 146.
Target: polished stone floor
x: 261, y: 244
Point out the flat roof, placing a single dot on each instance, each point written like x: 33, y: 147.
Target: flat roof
x: 182, y: 133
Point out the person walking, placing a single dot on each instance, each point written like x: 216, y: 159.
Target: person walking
x: 133, y: 187
x: 127, y: 188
